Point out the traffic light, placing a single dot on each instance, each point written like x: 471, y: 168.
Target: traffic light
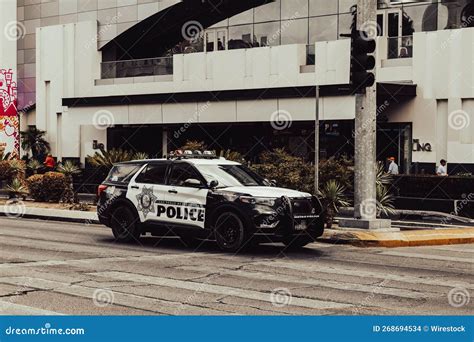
x: 361, y: 61
x: 362, y: 46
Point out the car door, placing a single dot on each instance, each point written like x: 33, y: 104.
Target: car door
x: 185, y: 203
x: 148, y: 187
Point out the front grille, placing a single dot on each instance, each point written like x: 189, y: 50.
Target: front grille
x: 302, y: 206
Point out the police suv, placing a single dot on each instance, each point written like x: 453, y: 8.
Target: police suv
x: 199, y: 196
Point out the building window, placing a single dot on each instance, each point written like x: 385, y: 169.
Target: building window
x: 268, y: 12
x: 268, y: 34
x: 322, y: 7
x: 294, y: 9
x: 240, y: 37
x: 420, y: 18
x: 322, y: 29
x: 294, y: 31
x: 345, y: 6
x: 242, y: 18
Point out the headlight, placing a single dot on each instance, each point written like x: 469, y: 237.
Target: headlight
x: 269, y: 201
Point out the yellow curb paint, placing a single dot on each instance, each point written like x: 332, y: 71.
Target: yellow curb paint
x: 407, y: 238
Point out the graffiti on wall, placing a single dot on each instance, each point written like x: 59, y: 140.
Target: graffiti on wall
x: 9, y: 121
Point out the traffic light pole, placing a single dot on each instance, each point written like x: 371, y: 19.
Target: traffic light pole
x: 365, y: 204
x: 316, y: 144
x: 365, y: 131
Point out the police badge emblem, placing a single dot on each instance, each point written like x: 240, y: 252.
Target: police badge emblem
x: 146, y: 201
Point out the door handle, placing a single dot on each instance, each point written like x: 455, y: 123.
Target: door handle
x: 134, y: 187
x: 173, y: 191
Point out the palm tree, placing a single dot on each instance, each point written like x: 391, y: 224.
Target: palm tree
x: 385, y: 201
x: 232, y: 155
x: 333, y: 196
x: 194, y: 145
x: 16, y: 189
x: 140, y: 156
x: 34, y: 166
x: 383, y: 178
x: 107, y: 159
x: 69, y: 169
x: 33, y: 140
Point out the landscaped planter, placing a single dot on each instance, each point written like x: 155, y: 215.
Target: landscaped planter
x: 437, y: 187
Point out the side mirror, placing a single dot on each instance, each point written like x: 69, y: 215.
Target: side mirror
x: 270, y: 182
x: 192, y: 182
x: 213, y: 184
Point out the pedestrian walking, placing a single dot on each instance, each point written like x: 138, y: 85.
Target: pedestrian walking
x: 49, y: 163
x: 442, y: 169
x: 393, y: 166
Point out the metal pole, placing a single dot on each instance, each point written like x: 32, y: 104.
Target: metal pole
x: 365, y: 204
x: 316, y: 144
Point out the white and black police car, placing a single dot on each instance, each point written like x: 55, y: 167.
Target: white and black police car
x: 198, y: 196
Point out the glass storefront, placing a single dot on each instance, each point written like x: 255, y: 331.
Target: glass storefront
x: 336, y: 139
x: 309, y: 21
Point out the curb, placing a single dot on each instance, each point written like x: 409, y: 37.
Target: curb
x: 401, y: 239
x: 76, y: 216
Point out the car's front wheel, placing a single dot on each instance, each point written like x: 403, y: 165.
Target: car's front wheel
x: 125, y: 225
x: 230, y: 232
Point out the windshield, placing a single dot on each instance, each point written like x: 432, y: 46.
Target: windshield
x: 230, y: 175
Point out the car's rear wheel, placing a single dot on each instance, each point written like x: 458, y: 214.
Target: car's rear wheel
x: 125, y: 225
x: 230, y: 232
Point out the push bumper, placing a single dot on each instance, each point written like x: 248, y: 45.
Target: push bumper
x: 289, y: 217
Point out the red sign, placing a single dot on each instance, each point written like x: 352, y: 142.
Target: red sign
x: 8, y: 93
x: 9, y: 123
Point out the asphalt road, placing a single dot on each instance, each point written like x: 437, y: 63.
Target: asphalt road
x: 64, y: 268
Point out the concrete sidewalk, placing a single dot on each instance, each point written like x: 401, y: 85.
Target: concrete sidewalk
x: 22, y: 210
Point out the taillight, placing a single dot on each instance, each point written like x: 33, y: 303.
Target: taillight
x: 100, y: 189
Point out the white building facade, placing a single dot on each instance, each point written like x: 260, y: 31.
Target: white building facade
x: 247, y: 81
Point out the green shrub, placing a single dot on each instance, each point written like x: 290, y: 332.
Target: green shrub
x: 288, y: 171
x: 12, y: 169
x: 36, y: 187
x: 341, y: 170
x: 4, y: 170
x: 48, y: 187
x: 56, y: 184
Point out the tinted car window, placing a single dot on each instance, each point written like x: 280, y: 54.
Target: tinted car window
x: 230, y: 175
x: 122, y: 173
x: 153, y: 174
x: 181, y: 172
